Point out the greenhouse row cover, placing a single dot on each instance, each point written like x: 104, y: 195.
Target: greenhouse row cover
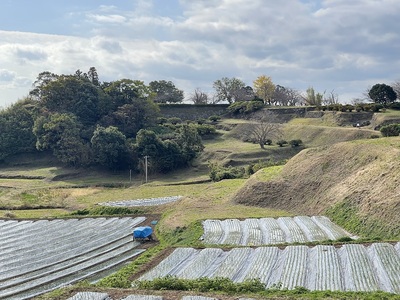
x: 256, y: 232
x: 351, y: 267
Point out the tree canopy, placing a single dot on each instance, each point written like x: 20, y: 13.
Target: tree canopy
x: 382, y: 93
x: 166, y: 92
x: 228, y: 89
x: 264, y: 88
x: 83, y: 121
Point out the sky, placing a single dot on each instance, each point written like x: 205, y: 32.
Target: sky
x: 338, y: 46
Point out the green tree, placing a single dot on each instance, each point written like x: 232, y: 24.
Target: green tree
x: 60, y: 133
x: 190, y: 142
x: 382, y: 93
x: 70, y: 94
x: 165, y: 92
x: 313, y: 98
x: 264, y: 88
x: 110, y: 148
x: 130, y: 118
x: 16, y: 123
x: 125, y: 91
x: 228, y: 89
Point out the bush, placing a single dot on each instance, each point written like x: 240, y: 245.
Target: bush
x: 390, y: 130
x: 202, y: 284
x: 205, y: 129
x: 281, y: 143
x: 218, y: 172
x: 107, y: 211
x: 394, y: 105
x: 244, y: 107
x: 261, y: 164
x: 175, y: 120
x: 201, y: 121
x: 296, y: 143
x: 162, y: 120
x: 214, y: 118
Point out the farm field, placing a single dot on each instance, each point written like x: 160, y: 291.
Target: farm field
x: 40, y: 256
x: 256, y: 232
x: 142, y: 202
x: 351, y: 267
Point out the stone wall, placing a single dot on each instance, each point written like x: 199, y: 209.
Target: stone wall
x: 191, y: 111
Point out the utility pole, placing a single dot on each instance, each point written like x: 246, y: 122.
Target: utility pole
x: 145, y: 167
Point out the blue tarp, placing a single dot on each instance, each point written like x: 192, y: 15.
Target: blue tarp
x: 142, y: 232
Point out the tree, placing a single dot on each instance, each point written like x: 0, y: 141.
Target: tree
x: 199, y: 97
x: 264, y: 127
x: 69, y: 94
x: 264, y: 88
x: 286, y: 96
x: 190, y: 142
x: 130, y: 118
x: 312, y: 98
x: 16, y: 123
x: 332, y: 98
x: 124, y: 91
x: 60, y: 133
x: 110, y: 147
x: 166, y: 92
x: 228, y: 89
x: 382, y: 93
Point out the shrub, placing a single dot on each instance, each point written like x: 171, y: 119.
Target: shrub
x: 214, y: 118
x: 174, y: 120
x: 395, y: 105
x: 390, y: 130
x: 162, y: 120
x: 244, y: 107
x: 296, y: 143
x: 205, y: 129
x: 202, y: 284
x: 261, y: 164
x: 201, y: 121
x: 281, y: 143
x: 106, y: 211
x: 218, y: 172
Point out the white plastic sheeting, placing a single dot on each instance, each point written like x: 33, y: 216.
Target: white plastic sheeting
x: 142, y: 202
x: 351, y: 267
x: 256, y: 232
x: 40, y: 256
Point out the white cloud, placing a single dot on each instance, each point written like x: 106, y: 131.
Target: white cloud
x: 331, y: 45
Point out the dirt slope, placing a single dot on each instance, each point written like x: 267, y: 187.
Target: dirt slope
x: 356, y: 183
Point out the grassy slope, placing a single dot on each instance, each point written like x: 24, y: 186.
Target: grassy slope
x: 354, y: 182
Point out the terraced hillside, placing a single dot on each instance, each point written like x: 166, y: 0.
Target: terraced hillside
x: 40, y: 256
x: 355, y: 183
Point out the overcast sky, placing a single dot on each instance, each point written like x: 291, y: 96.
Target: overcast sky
x: 341, y: 45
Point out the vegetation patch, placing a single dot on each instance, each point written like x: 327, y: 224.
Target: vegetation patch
x: 107, y: 211
x: 347, y: 214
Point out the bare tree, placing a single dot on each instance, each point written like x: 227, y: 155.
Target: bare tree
x: 286, y: 96
x: 199, y: 97
x: 264, y: 126
x: 332, y: 98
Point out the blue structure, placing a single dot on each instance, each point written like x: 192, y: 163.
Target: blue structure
x: 142, y: 233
